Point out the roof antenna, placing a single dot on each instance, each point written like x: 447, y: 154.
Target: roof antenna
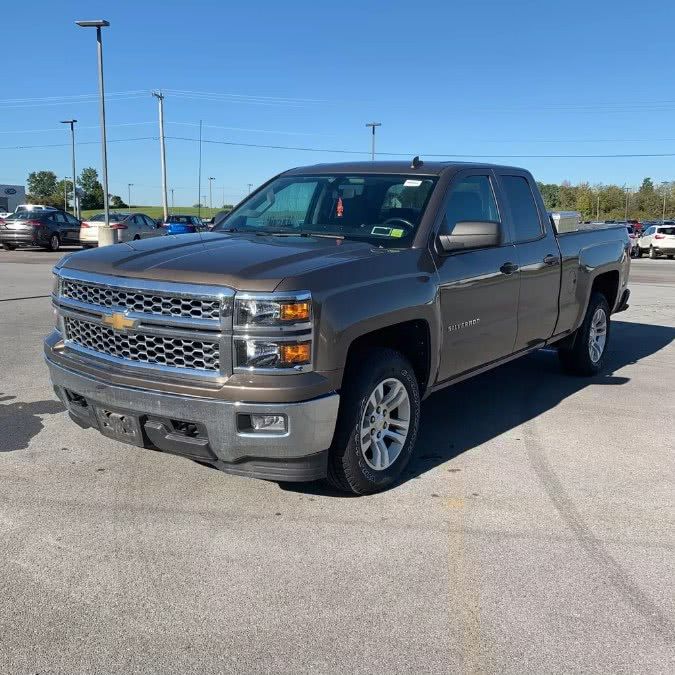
x: 416, y: 163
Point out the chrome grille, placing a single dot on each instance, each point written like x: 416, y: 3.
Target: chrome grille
x: 166, y: 351
x: 141, y: 301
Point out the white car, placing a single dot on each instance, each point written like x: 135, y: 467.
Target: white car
x: 33, y: 207
x: 129, y: 227
x: 658, y: 240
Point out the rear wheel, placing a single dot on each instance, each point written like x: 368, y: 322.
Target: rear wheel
x: 377, y: 424
x: 9, y: 247
x: 54, y: 243
x: 639, y: 252
x: 586, y: 356
x: 670, y: 257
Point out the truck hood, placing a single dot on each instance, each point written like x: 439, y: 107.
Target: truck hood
x: 243, y: 262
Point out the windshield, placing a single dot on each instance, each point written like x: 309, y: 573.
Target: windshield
x: 382, y: 209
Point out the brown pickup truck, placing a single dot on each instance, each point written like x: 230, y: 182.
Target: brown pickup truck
x: 297, y: 339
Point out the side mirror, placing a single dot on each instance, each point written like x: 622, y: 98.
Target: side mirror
x: 471, y: 234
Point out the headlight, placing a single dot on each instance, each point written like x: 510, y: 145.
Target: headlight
x: 56, y: 285
x: 273, y: 332
x: 263, y: 310
x: 254, y: 353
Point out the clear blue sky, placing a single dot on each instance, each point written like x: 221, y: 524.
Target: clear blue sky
x: 488, y: 78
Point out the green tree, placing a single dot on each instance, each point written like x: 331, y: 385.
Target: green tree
x: 41, y: 184
x: 117, y: 203
x: 551, y: 195
x: 93, y: 190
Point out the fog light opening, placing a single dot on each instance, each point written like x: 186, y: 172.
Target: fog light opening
x: 262, y: 423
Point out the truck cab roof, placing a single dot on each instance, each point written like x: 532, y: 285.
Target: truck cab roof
x: 426, y: 168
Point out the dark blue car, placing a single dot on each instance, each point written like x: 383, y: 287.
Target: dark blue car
x: 177, y: 224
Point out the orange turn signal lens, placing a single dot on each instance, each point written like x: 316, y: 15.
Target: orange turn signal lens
x: 298, y: 353
x: 294, y: 311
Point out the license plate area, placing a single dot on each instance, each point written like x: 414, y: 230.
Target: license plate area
x: 120, y: 426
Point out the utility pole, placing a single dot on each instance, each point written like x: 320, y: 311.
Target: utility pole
x: 597, y: 210
x: 372, y: 125
x: 129, y: 186
x: 76, y: 211
x: 65, y: 196
x: 250, y: 185
x: 627, y: 194
x: 199, y: 179
x: 171, y: 200
x: 665, y: 186
x: 162, y: 150
x: 211, y: 179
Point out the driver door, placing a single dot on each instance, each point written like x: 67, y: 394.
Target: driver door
x: 478, y: 287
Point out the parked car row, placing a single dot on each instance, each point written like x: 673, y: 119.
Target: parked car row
x: 49, y: 228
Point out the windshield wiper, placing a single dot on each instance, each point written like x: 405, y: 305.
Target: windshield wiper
x: 285, y: 233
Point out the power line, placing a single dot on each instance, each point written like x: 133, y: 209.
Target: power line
x: 343, y: 151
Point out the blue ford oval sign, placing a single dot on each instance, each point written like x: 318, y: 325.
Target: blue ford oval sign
x: 10, y: 191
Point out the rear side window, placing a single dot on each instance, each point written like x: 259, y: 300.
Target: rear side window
x: 666, y: 230
x: 523, y: 208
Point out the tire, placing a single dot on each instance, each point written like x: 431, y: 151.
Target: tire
x: 352, y: 467
x: 652, y: 253
x: 54, y: 243
x: 639, y: 252
x: 86, y: 246
x: 136, y: 238
x: 670, y: 257
x: 581, y: 358
x: 9, y: 247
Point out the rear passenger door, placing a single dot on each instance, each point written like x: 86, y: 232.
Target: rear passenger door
x: 478, y: 288
x: 538, y: 257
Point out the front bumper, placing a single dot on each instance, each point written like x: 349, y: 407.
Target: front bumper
x: 298, y: 454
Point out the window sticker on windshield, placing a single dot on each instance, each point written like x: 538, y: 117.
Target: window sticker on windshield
x: 381, y: 231
x: 412, y: 183
x: 398, y: 233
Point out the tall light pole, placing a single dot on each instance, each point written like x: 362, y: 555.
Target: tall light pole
x: 98, y: 24
x: 162, y: 150
x: 199, y: 179
x: 211, y: 179
x: 72, y: 138
x: 250, y: 185
x: 65, y: 194
x: 665, y: 184
x: 372, y: 125
x: 171, y: 200
x: 129, y: 186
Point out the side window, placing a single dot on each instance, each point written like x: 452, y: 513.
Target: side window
x: 149, y: 222
x: 60, y: 218
x: 470, y: 198
x: 72, y: 220
x: 524, y: 211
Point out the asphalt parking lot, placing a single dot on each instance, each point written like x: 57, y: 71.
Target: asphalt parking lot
x: 533, y: 533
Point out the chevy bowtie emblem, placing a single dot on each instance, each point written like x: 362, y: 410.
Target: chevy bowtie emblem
x: 119, y: 322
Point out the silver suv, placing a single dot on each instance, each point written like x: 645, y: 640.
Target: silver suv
x: 658, y: 240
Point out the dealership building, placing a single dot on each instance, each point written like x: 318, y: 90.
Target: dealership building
x: 11, y: 196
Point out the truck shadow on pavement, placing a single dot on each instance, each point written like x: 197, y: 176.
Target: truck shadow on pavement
x: 470, y: 413
x: 20, y: 422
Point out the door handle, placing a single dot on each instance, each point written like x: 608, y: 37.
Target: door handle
x: 551, y: 259
x: 508, y: 268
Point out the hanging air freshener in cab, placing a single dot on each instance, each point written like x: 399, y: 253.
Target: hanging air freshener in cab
x: 339, y: 208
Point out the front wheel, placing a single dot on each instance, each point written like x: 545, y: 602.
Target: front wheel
x: 9, y: 247
x: 652, y: 253
x: 587, y: 354
x: 377, y: 424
